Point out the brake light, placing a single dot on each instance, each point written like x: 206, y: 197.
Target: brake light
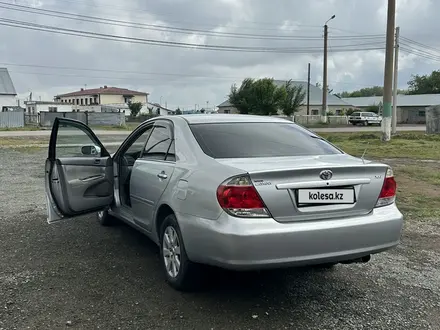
x: 388, y: 193
x: 238, y: 197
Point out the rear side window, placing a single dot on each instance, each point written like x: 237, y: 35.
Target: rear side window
x: 355, y: 114
x: 243, y: 140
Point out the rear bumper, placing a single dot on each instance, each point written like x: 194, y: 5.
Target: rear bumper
x: 264, y: 243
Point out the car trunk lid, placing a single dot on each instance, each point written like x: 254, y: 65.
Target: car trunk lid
x: 306, y: 188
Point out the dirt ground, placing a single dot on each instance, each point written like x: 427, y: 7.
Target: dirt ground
x: 76, y: 274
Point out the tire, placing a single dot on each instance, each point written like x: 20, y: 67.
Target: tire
x: 105, y: 219
x: 188, y: 274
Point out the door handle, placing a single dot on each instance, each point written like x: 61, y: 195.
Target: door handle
x: 162, y: 175
x: 97, y: 161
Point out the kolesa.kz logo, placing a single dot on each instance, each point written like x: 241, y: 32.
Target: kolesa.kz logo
x: 325, y: 196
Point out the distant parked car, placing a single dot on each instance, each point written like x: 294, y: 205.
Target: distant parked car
x: 239, y: 192
x: 365, y: 118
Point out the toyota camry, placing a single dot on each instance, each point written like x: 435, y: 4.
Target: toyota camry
x: 239, y: 192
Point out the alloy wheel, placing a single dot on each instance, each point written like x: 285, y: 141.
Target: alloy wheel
x: 171, y: 251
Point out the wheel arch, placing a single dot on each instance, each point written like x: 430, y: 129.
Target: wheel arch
x: 162, y: 212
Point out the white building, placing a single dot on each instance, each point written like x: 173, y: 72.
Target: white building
x: 411, y: 109
x: 93, y: 99
x: 8, y: 95
x: 156, y: 109
x: 35, y: 107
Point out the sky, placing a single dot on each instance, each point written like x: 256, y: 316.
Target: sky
x: 275, y: 39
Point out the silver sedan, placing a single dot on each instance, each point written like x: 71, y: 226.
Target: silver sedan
x: 235, y: 191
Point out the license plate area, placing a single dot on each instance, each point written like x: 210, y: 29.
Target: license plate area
x: 307, y: 197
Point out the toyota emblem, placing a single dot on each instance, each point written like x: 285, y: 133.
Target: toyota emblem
x: 326, y: 175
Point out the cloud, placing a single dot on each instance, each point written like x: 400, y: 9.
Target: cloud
x: 185, y: 77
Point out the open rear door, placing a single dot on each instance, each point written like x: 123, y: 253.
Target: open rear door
x: 78, y: 172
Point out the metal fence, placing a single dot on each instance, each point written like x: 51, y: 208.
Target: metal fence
x: 31, y: 119
x: 11, y: 119
x: 312, y: 119
x: 89, y: 118
x: 433, y: 120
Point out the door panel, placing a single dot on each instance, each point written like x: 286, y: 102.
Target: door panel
x: 152, y: 172
x: 76, y: 183
x: 149, y: 180
x: 80, y: 184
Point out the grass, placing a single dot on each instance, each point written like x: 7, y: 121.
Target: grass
x: 25, y: 128
x: 418, y: 182
x: 418, y: 190
x: 127, y: 127
x: 414, y: 145
x: 423, y: 174
x: 419, y: 206
x: 23, y: 141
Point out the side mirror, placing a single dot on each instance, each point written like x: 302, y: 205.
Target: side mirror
x: 91, y: 150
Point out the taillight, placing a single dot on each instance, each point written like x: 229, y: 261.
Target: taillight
x: 238, y: 197
x: 388, y: 193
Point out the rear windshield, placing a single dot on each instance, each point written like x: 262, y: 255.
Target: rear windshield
x: 243, y: 140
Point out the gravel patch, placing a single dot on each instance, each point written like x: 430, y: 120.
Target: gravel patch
x: 76, y: 274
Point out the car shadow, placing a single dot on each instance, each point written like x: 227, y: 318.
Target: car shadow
x: 226, y: 284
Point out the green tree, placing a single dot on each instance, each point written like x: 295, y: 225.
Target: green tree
x: 425, y: 84
x: 268, y: 97
x: 294, y: 98
x: 135, y: 108
x: 178, y: 111
x: 259, y: 97
x: 241, y: 97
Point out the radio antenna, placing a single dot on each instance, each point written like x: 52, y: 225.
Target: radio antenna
x: 365, y: 151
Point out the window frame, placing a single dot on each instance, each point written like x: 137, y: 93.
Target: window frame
x: 136, y: 137
x: 169, y: 125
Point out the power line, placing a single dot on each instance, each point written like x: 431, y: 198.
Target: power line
x: 103, y: 36
x: 117, y: 71
x: 141, y: 10
x: 420, y: 54
x: 138, y: 78
x: 412, y: 49
x: 82, y: 76
x: 162, y: 28
x: 419, y: 44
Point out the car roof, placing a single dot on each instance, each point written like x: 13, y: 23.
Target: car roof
x: 230, y: 118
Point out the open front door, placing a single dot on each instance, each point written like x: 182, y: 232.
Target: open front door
x: 78, y: 172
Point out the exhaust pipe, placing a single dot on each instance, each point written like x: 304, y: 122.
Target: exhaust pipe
x: 363, y: 259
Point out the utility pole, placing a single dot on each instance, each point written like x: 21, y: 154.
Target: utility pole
x: 396, y: 69
x: 308, y: 91
x: 388, y: 74
x: 324, y: 83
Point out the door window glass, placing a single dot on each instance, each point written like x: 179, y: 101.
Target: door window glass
x: 136, y: 148
x: 74, y: 140
x: 158, y: 144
